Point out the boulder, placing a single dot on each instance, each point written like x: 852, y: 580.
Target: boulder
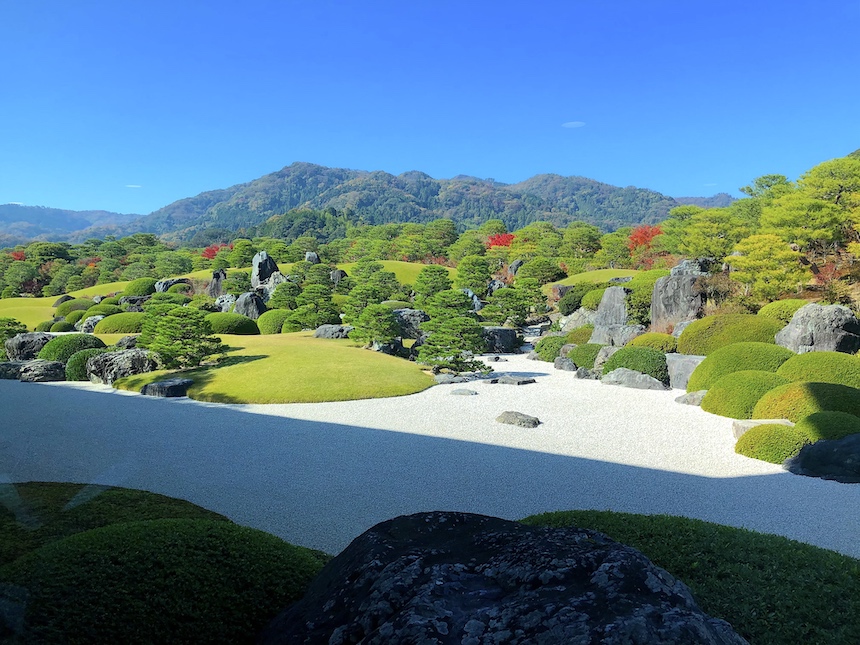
x: 621, y: 279
x: 821, y: 328
x: 559, y: 291
x: 495, y: 285
x: 579, y: 318
x: 61, y: 300
x: 612, y: 309
x: 9, y: 370
x: 676, y: 299
x: 518, y: 419
x: 615, y: 335
x: 533, y: 356
x: 587, y: 374
x: 333, y: 332
x: 163, y: 285
x: 168, y: 388
x: 225, y: 302
x: 603, y: 356
x: 262, y: 268
x: 692, y: 398
x: 741, y: 426
x: 680, y: 367
x: 680, y: 327
x: 133, y: 300
x: 312, y: 257
x: 87, y: 325
x: 337, y: 275
x: 696, y: 267
x: 267, y: 288
x: 496, y: 359
x: 501, y: 340
x: 835, y: 459
x: 110, y: 366
x: 477, y: 305
x: 216, y: 286
x: 514, y: 266
x: 512, y: 380
x: 631, y: 378
x: 565, y: 364
x: 464, y: 392
x: 98, y: 299
x: 565, y: 349
x: 409, y: 321
x: 249, y: 304
x: 445, y: 379
x: 41, y: 371
x: 447, y: 577
x: 393, y: 348
x: 25, y: 347
x: 126, y: 342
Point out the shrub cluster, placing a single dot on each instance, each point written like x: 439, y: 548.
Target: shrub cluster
x: 822, y: 367
x: 794, y: 401
x: 140, y: 287
x: 580, y: 335
x: 102, y: 310
x: 78, y: 304
x: 113, y: 300
x: 45, y: 325
x: 232, y: 323
x: 584, y: 355
x: 641, y: 359
x: 734, y: 358
x: 127, y: 322
x: 61, y: 348
x: 782, y: 310
x: 76, y: 366
x: 74, y: 316
x: 771, y: 442
x: 664, y: 342
x: 548, y: 347
x: 735, y: 395
x: 708, y: 334
x: 271, y: 322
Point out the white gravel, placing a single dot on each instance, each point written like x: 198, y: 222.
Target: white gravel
x: 320, y: 474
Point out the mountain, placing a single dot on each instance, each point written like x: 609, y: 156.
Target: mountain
x: 19, y: 223
x: 720, y: 200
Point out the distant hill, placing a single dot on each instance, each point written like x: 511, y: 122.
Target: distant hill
x: 19, y: 223
x: 719, y: 200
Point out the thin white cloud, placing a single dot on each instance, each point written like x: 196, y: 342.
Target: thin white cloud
x: 14, y: 203
x: 573, y: 124
x: 133, y: 186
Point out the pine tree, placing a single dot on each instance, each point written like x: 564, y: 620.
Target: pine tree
x: 182, y: 338
x: 451, y: 344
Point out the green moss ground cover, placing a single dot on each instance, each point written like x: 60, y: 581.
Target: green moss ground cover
x: 708, y: 334
x: 641, y: 359
x: 772, y: 442
x: 600, y: 275
x: 584, y: 355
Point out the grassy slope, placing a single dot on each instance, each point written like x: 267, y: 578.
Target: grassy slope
x: 600, y: 275
x: 296, y: 368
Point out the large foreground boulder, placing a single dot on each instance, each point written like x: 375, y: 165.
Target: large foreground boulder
x: 631, y: 378
x: 110, y: 366
x: 249, y: 305
x: 821, y: 328
x: 446, y: 578
x: 42, y: 371
x: 262, y: 268
x: 675, y: 297
x: 25, y: 347
x: 501, y: 340
x: 615, y: 335
x: 333, y: 332
x: 168, y: 388
x: 836, y: 459
x: 680, y: 367
x: 9, y: 370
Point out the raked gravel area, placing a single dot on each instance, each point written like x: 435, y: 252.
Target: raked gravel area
x: 320, y: 474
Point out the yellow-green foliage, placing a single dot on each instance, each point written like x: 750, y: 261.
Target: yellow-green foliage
x: 771, y: 442
x: 101, y: 289
x: 823, y: 367
x: 641, y: 359
x: 782, y: 310
x: 140, y: 287
x: 797, y: 400
x: 45, y: 325
x: 102, y: 310
x: 736, y: 394
x: 708, y: 334
x: 829, y: 425
x: 600, y: 275
x: 591, y: 300
x: 75, y: 316
x: 580, y: 335
x: 62, y: 326
x: 76, y: 366
x: 61, y: 348
x: 405, y: 272
x: 734, y: 358
x: 128, y: 322
x: 270, y: 322
x: 231, y: 323
x: 548, y: 347
x: 584, y: 355
x: 77, y: 304
x: 664, y: 342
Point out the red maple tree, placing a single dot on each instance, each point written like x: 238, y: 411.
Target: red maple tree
x: 500, y: 239
x: 642, y: 236
x: 212, y: 250
x: 18, y: 255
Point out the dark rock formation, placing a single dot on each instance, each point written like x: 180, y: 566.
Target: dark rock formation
x: 25, y: 347
x: 9, y: 370
x: 445, y: 578
x: 681, y: 366
x: 110, y: 366
x: 514, y: 266
x: 836, y: 459
x: 163, y: 285
x: 513, y: 418
x: 216, y: 286
x: 631, y: 378
x: 409, y: 321
x: 501, y: 340
x: 587, y: 374
x: 61, y: 300
x: 168, y: 388
x: 394, y: 348
x: 40, y: 371
x: 692, y: 398
x: 495, y: 285
x: 675, y: 297
x: 133, y: 300
x: 333, y: 331
x: 312, y: 257
x: 225, y: 302
x: 87, y: 325
x: 249, y: 304
x: 126, y: 342
x: 262, y: 268
x: 821, y: 328
x: 565, y: 364
x: 477, y: 305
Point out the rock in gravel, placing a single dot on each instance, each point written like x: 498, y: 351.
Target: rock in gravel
x: 445, y: 578
x: 9, y: 370
x: 742, y: 426
x: 512, y: 380
x: 25, y: 347
x: 518, y: 419
x: 168, y: 388
x: 631, y: 378
x: 681, y: 366
x: 835, y: 459
x: 821, y: 328
x: 464, y: 392
x: 566, y: 364
x: 42, y: 371
x: 501, y: 340
x: 692, y: 398
x: 444, y: 379
x: 585, y: 373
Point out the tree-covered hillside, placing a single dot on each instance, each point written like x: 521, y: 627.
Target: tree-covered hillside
x: 19, y: 223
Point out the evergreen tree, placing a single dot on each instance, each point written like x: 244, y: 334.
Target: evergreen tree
x: 182, y: 338
x: 452, y: 343
x: 767, y: 266
x: 284, y: 296
x: 473, y: 273
x: 377, y: 323
x: 432, y: 279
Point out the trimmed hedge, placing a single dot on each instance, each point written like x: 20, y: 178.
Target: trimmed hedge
x: 797, y: 400
x: 270, y: 322
x: 140, y: 287
x: 591, y: 300
x: 78, y: 304
x: 736, y: 394
x: 572, y: 300
x: 127, y: 322
x: 771, y: 442
x: 782, y: 310
x: 113, y: 300
x: 829, y: 425
x: 231, y: 323
x: 734, y: 358
x: 663, y: 342
x: 549, y: 347
x: 102, y: 310
x: 641, y: 359
x: 76, y: 366
x: 708, y: 334
x: 584, y: 355
x: 62, y: 326
x: 163, y: 581
x: 75, y: 316
x: 45, y: 325
x: 61, y: 348
x: 823, y: 367
x: 580, y: 335
x: 167, y: 298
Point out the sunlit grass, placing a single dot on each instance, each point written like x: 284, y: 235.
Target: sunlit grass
x: 600, y: 275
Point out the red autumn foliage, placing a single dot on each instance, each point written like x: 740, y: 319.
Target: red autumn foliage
x: 500, y: 239
x: 642, y: 236
x: 18, y: 256
x: 212, y: 250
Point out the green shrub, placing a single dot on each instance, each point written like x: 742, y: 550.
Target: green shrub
x: 580, y: 335
x: 782, y: 310
x: 584, y: 355
x: 734, y: 358
x: 572, y: 300
x: 800, y: 399
x: 641, y: 359
x: 549, y: 347
x: 180, y: 287
x: 74, y: 316
x: 736, y: 394
x: 639, y: 299
x: 167, y: 298
x: 396, y: 304
x: 62, y: 326
x: 162, y: 581
x: 113, y: 300
x: 591, y: 300
x: 9, y: 328
x: 127, y: 322
x: 62, y: 347
x: 45, y: 325
x: 102, y: 310
x: 829, y: 425
x: 78, y: 304
x: 822, y: 367
x: 230, y: 323
x: 140, y: 287
x: 664, y: 342
x: 76, y: 366
x: 271, y: 322
x: 771, y: 442
x: 708, y: 334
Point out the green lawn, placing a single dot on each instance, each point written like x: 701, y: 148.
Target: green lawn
x: 600, y: 275
x: 295, y: 368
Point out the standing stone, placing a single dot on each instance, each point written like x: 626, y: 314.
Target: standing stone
x: 610, y: 323
x: 216, y: 287
x: 477, y: 305
x: 675, y: 297
x: 25, y: 347
x: 262, y: 268
x: 225, y: 302
x: 250, y: 304
x: 579, y: 318
x: 513, y: 267
x: 681, y: 366
x: 163, y: 285
x: 312, y: 257
x: 495, y: 285
x: 821, y: 328
x: 337, y: 275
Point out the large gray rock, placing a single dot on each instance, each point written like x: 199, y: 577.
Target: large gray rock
x: 579, y: 318
x: 409, y: 321
x: 168, y: 388
x: 564, y: 364
x: 262, y: 268
x: 514, y: 266
x: 337, y: 275
x: 9, y: 370
x: 513, y: 418
x: 126, y: 342
x: 41, y: 371
x: 477, y: 305
x: 631, y: 378
x: 87, y: 325
x: 333, y: 332
x: 692, y: 398
x: 680, y: 327
x: 836, y: 459
x: 163, y: 285
x: 615, y: 335
x: 821, y: 328
x: 495, y: 285
x: 602, y: 356
x: 457, y: 578
x: 501, y: 340
x: 675, y: 299
x: 312, y: 257
x: 225, y: 302
x: 249, y: 304
x: 681, y: 366
x: 25, y: 347
x: 110, y: 366
x: 612, y: 309
x: 696, y: 268
x: 216, y: 286
x: 393, y: 348
x: 266, y: 289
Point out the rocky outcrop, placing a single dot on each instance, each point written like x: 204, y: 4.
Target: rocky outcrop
x: 610, y: 322
x: 168, y: 388
x: 9, y: 370
x: 564, y: 364
x: 249, y: 304
x: 392, y: 348
x: 602, y: 356
x: 579, y: 318
x: 692, y: 398
x: 262, y: 268
x: 216, y: 285
x: 615, y: 335
x: 88, y: 325
x: 333, y: 332
x: 836, y: 459
x: 494, y: 285
x: 110, y: 366
x: 457, y: 578
x: 681, y: 366
x: 514, y: 266
x: 225, y: 302
x: 631, y: 378
x: 409, y: 321
x: 312, y: 257
x: 133, y: 300
x: 40, y: 371
x: 519, y: 419
x: 675, y: 297
x: 126, y: 342
x: 25, y: 347
x: 163, y: 285
x: 337, y: 275
x: 501, y: 340
x: 821, y: 328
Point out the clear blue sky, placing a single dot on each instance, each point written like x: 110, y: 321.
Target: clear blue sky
x: 130, y: 106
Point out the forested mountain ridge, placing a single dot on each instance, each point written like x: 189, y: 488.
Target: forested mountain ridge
x: 19, y: 223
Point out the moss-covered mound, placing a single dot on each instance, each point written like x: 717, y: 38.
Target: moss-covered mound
x: 549, y: 347
x: 76, y: 366
x: 168, y: 581
x: 113, y: 300
x: 736, y: 394
x: 230, y: 323
x: 45, y: 325
x: 829, y: 425
x: 734, y: 358
x: 782, y: 310
x: 270, y: 322
x: 62, y: 326
x: 127, y: 322
x: 102, y: 310
x: 78, y: 304
x: 797, y: 400
x: 591, y: 300
x: 140, y: 287
x: 61, y: 348
x: 708, y: 334
x: 823, y: 367
x: 642, y: 359
x: 167, y: 298
x: 663, y: 342
x: 772, y: 442
x: 580, y: 335
x: 584, y: 355
x: 74, y: 316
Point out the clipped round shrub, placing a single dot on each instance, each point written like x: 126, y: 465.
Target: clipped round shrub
x: 45, y: 325
x: 782, y: 310
x: 62, y: 326
x: 580, y: 335
x: 584, y: 355
x: 591, y: 300
x: 164, y: 581
x: 113, y: 300
x: 797, y: 400
x: 76, y: 366
x: 78, y: 304
x: 734, y: 358
x: 167, y: 298
x: 231, y: 323
x: 140, y: 287
x: 180, y: 287
x: 641, y: 359
x: 663, y: 342
x: 61, y: 348
x: 822, y: 367
x: 271, y: 322
x: 102, y: 310
x: 708, y: 334
x: 736, y: 394
x: 549, y: 347
x: 127, y: 322
x: 771, y: 442
x: 75, y: 316
x: 829, y: 425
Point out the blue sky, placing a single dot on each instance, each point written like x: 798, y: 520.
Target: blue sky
x: 129, y: 106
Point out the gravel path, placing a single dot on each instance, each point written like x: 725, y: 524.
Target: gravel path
x: 320, y: 474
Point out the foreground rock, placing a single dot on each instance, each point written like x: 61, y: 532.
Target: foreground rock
x: 168, y: 388
x: 836, y: 459
x: 631, y: 378
x: 501, y: 340
x: 250, y: 305
x: 681, y: 366
x: 25, y: 347
x: 446, y: 578
x: 9, y: 370
x: 675, y: 297
x: 333, y: 332
x: 565, y: 364
x: 110, y: 366
x: 88, y: 324
x: 514, y: 418
x: 409, y: 321
x: 821, y: 328
x: 41, y: 371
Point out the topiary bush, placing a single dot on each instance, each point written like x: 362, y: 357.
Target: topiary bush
x: 271, y: 322
x: 641, y: 287
x: 231, y: 323
x: 797, y: 400
x: 76, y: 366
x: 45, y: 325
x: 708, y: 334
x: 127, y: 322
x: 61, y: 348
x: 140, y: 287
x: 591, y: 300
x: 113, y: 300
x: 736, y: 394
x: 642, y: 359
x: 102, y: 310
x: 580, y: 335
x: 78, y: 304
x: 181, y: 287
x: 782, y: 310
x: 549, y: 347
x: 74, y: 316
x: 734, y: 358
x: 771, y: 442
x: 829, y: 425
x: 663, y: 342
x: 584, y: 355
x: 160, y: 581
x: 62, y: 326
x: 822, y: 367
x: 167, y: 298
